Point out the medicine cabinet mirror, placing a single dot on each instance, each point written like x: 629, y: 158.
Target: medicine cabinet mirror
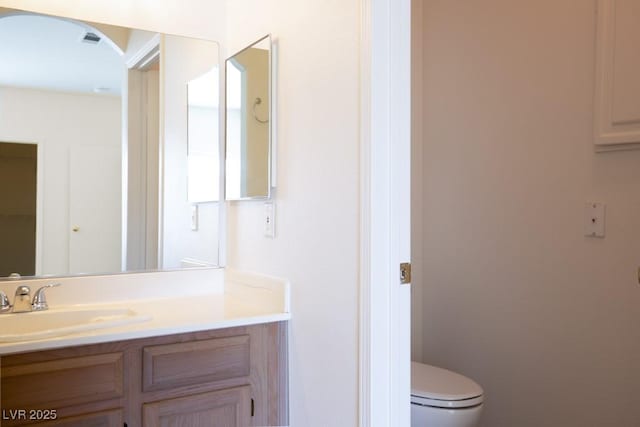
x: 248, y: 122
x: 97, y: 171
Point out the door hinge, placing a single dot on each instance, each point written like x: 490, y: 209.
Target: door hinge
x: 405, y: 273
x: 253, y: 407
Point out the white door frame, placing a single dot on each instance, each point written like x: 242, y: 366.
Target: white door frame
x: 385, y: 212
x: 141, y: 161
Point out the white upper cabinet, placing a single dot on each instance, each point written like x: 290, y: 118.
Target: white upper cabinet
x: 617, y: 91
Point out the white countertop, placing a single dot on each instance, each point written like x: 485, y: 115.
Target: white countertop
x: 242, y: 299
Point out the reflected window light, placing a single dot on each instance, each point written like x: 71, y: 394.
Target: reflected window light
x: 203, y: 130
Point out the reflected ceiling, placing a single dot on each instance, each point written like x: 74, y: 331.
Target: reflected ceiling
x: 29, y: 41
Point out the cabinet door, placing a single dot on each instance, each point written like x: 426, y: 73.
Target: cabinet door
x: 60, y: 383
x: 617, y: 94
x: 102, y: 419
x: 224, y: 408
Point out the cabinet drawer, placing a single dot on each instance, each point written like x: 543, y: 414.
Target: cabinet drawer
x: 63, y: 382
x: 183, y: 364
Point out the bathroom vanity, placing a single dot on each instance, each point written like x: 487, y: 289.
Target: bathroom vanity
x: 215, y: 357
x: 233, y: 376
x: 200, y: 347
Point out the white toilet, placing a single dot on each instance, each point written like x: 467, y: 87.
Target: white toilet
x: 441, y: 398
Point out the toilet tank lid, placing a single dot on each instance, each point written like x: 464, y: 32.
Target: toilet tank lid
x: 437, y: 383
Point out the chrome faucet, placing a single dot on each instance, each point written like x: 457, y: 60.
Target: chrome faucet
x: 40, y: 300
x: 23, y: 303
x: 5, y: 305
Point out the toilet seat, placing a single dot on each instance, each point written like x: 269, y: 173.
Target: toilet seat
x: 447, y: 404
x: 441, y: 388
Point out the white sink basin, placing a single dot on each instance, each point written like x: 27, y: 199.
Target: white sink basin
x: 52, y: 323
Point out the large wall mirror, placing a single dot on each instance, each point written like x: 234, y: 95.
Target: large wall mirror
x: 249, y: 121
x: 103, y: 134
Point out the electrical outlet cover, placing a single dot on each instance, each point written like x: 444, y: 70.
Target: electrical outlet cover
x: 594, y: 219
x: 269, y: 220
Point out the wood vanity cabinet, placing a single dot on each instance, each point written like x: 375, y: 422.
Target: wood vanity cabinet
x: 225, y: 377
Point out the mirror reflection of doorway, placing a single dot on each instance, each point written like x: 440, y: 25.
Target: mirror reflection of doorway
x: 18, y: 191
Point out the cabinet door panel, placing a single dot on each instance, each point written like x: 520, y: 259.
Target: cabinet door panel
x: 102, y: 419
x: 224, y: 408
x: 617, y: 91
x: 57, y: 383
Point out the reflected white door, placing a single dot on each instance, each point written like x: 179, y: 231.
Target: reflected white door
x: 95, y: 209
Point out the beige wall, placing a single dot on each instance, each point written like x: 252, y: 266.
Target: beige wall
x: 545, y: 319
x: 200, y: 18
x: 316, y: 244
x: 183, y: 59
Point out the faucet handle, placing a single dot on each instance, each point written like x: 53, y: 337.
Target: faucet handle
x: 5, y: 306
x: 40, y: 299
x: 22, y: 291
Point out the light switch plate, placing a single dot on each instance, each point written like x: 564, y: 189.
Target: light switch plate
x: 194, y: 217
x: 594, y: 219
x: 269, y: 220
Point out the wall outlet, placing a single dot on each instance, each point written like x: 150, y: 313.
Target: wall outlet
x: 269, y: 220
x: 594, y: 219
